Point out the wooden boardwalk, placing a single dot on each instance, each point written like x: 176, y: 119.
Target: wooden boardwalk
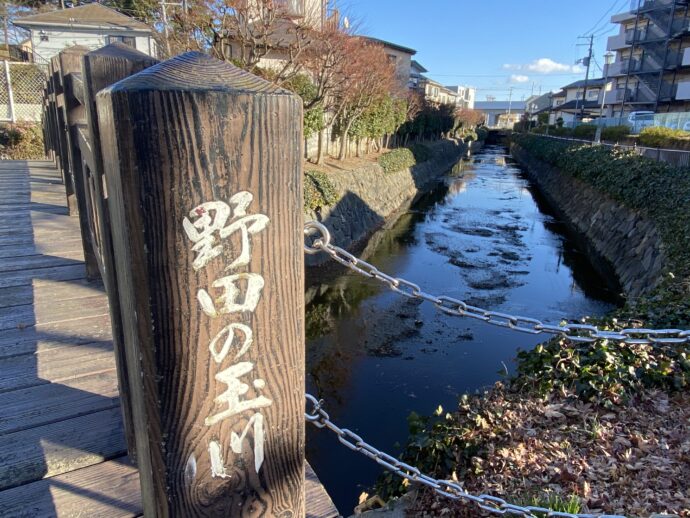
x: 62, y: 449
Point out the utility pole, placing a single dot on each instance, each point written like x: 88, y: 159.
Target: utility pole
x: 584, y: 91
x: 164, y: 18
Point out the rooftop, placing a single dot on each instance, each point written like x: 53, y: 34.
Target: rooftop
x: 499, y: 105
x: 598, y: 81
x: 394, y: 46
x: 95, y: 16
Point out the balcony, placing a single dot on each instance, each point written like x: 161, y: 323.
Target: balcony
x: 652, y: 5
x: 683, y: 91
x: 646, y: 35
x: 616, y: 42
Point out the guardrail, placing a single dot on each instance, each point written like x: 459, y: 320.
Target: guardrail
x: 675, y: 157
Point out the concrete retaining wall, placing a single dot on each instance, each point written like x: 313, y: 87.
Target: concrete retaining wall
x: 369, y: 198
x: 618, y: 239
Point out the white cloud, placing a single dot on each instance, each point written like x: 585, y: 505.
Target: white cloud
x: 518, y: 78
x: 545, y: 66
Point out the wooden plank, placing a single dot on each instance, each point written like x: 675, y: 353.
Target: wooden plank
x: 229, y: 132
x: 53, y: 402
x: 319, y: 504
x: 56, y: 273
x: 30, y: 370
x: 48, y: 312
x: 48, y: 292
x: 47, y: 247
x: 46, y: 337
x: 109, y: 489
x: 28, y: 262
x: 60, y: 447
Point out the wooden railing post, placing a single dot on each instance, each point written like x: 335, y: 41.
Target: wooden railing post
x: 74, y: 114
x: 100, y: 69
x: 203, y: 167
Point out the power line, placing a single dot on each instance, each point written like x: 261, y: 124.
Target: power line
x: 616, y: 4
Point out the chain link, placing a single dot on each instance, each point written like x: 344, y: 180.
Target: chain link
x: 582, y: 333
x: 317, y: 416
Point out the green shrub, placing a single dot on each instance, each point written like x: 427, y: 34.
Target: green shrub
x: 396, y: 160
x: 319, y: 191
x: 22, y: 141
x: 560, y: 131
x: 421, y: 153
x: 615, y: 133
x: 658, y: 136
x: 585, y: 131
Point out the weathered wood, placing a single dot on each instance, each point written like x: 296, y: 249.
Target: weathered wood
x: 41, y: 452
x: 102, y: 68
x: 76, y: 86
x: 74, y: 114
x: 109, y: 489
x: 44, y: 337
x: 176, y: 136
x: 45, y: 404
x: 319, y: 504
x: 70, y: 362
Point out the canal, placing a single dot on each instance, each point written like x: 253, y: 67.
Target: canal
x: 485, y: 237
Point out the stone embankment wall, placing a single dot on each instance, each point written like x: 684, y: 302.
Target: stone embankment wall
x: 369, y: 198
x: 619, y: 240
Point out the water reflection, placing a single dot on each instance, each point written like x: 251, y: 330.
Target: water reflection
x: 375, y: 356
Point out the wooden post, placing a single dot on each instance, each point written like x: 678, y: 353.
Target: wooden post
x: 74, y: 114
x: 101, y: 68
x: 61, y: 134
x: 203, y: 166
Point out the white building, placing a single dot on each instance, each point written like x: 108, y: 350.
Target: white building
x: 465, y: 95
x: 91, y: 25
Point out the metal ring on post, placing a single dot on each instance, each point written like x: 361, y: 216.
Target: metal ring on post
x: 314, y: 227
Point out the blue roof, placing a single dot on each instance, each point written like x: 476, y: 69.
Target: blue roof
x: 499, y: 105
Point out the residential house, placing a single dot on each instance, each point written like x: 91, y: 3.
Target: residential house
x: 416, y: 74
x: 536, y: 104
x: 399, y: 56
x: 91, y: 25
x: 465, y: 95
x: 501, y: 114
x: 572, y: 103
x: 651, y: 70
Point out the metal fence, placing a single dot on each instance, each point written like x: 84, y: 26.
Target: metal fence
x: 673, y: 120
x: 21, y: 91
x: 675, y: 157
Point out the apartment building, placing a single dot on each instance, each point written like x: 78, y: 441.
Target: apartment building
x: 651, y: 70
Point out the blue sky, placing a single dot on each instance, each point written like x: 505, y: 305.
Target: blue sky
x: 493, y: 44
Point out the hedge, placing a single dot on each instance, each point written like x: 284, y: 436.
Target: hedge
x: 319, y: 191
x: 396, y: 160
x: 659, y: 136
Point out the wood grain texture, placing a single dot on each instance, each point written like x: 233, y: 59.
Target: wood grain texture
x: 74, y: 113
x: 106, y: 490
x: 181, y: 133
x: 102, y: 68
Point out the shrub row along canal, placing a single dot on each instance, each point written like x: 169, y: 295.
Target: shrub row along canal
x: 374, y: 356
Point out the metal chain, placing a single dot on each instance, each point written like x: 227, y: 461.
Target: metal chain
x: 448, y: 488
x: 451, y: 306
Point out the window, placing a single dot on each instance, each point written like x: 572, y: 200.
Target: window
x: 127, y: 40
x: 43, y: 36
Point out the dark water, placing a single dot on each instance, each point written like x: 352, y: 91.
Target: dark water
x: 374, y: 356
